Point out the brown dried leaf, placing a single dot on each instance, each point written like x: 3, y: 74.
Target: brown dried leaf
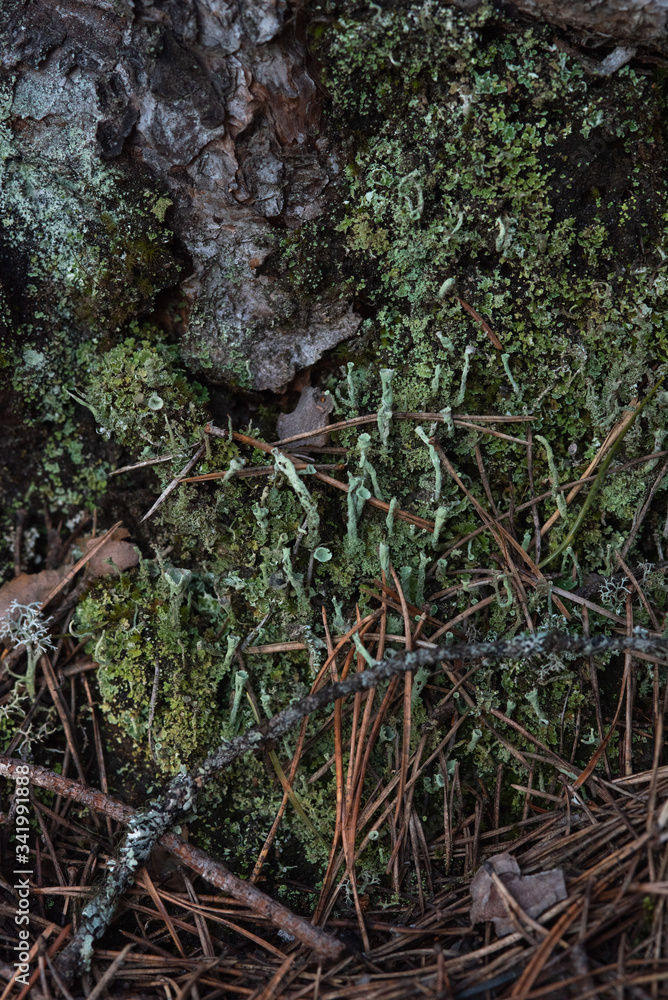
x: 114, y: 557
x: 30, y: 588
x: 534, y: 893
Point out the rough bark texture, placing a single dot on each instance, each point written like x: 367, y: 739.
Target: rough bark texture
x: 215, y: 99
x: 503, y: 217
x: 640, y: 22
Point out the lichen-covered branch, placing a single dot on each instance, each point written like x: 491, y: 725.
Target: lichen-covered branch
x: 213, y: 871
x: 146, y: 827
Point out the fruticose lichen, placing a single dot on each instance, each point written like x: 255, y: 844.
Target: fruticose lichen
x: 484, y: 166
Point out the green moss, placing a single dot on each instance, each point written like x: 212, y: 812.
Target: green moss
x: 161, y: 623
x: 140, y: 397
x: 85, y: 247
x: 482, y: 163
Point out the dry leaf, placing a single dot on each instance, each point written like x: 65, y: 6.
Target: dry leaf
x: 534, y: 893
x: 114, y: 557
x: 30, y: 588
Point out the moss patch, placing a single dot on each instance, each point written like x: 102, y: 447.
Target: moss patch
x: 483, y: 165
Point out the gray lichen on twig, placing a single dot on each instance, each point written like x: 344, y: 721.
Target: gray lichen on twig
x: 147, y: 826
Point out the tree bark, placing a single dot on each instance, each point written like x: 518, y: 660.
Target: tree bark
x: 216, y: 102
x: 212, y: 104
x: 634, y: 22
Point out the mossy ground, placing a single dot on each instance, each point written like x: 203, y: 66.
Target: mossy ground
x: 484, y: 163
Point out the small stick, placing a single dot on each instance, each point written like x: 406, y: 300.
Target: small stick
x: 197, y: 860
x: 145, y: 463
x: 598, y: 482
x: 629, y: 672
x: 101, y: 985
x: 102, y: 540
x: 638, y: 589
x: 255, y: 470
x: 59, y: 983
x: 545, y: 496
x: 282, y: 647
x: 147, y: 828
x: 534, y: 505
x: 175, y: 482
x: 99, y: 751
x: 489, y: 430
x: 609, y: 441
x: 408, y: 687
x: 600, y: 750
x: 372, y: 418
x: 53, y: 949
x: 484, y: 480
x: 640, y: 515
x: 21, y: 518
x: 541, y: 955
x: 61, y: 708
x: 585, y: 603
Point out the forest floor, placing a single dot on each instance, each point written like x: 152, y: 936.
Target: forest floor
x: 473, y: 552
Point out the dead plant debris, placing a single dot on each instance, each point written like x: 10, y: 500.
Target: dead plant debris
x: 567, y: 901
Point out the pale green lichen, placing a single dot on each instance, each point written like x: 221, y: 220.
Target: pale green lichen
x: 466, y: 135
x: 285, y: 466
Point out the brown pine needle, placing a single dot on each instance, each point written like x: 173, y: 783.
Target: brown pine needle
x: 175, y: 482
x: 372, y: 418
x: 612, y: 436
x: 408, y: 688
x: 102, y: 540
x: 639, y: 591
x: 545, y: 496
x: 481, y: 323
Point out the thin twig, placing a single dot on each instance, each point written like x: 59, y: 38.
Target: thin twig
x: 543, y: 496
x: 639, y: 591
x: 175, y: 482
x: 640, y: 515
x: 147, y: 462
x: 534, y: 505
x: 482, y: 323
x: 146, y: 828
x: 93, y: 550
x: 198, y: 861
x: 21, y: 518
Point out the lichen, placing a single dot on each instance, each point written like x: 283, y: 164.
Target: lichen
x: 483, y: 166
x: 163, y: 623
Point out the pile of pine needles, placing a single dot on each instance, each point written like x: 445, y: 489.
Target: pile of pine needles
x: 182, y: 925
x: 605, y: 827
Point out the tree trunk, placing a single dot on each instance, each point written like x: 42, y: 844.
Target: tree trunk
x: 212, y: 106
x: 634, y: 22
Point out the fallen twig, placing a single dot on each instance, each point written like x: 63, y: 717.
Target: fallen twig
x: 598, y: 482
x: 93, y: 550
x: 175, y: 482
x: 146, y: 827
x: 403, y: 515
x: 481, y: 322
x: 196, y: 860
